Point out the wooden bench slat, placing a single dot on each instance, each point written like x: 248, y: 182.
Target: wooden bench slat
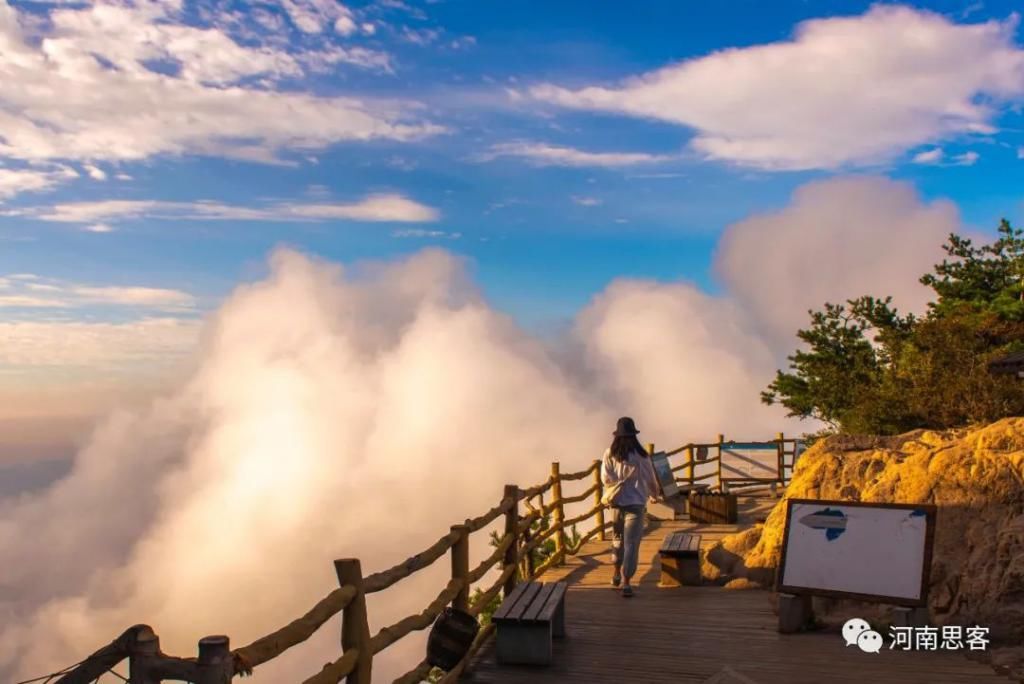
x: 555, y: 599
x: 532, y: 589
x: 539, y: 602
x: 510, y: 601
x: 684, y: 543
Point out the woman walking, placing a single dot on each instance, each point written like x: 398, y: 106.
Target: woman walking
x: 629, y: 481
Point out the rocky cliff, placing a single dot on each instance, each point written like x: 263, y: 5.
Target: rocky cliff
x: 974, y: 476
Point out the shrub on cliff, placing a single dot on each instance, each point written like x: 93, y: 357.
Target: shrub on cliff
x: 867, y: 369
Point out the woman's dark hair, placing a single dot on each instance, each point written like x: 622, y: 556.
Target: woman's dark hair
x: 623, y: 444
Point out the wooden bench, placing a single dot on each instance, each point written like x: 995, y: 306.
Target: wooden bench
x: 527, y: 620
x: 680, y: 560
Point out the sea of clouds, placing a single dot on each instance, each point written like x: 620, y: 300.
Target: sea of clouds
x: 359, y: 411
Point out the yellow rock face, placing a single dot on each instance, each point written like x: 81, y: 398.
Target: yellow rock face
x: 974, y: 476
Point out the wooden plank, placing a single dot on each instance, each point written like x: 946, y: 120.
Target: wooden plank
x: 509, y: 603
x: 524, y: 603
x: 539, y: 601
x: 556, y: 596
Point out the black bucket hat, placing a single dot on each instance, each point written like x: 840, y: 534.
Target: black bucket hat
x: 625, y: 428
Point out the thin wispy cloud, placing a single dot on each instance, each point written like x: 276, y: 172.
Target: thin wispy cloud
x: 937, y: 157
x: 543, y: 154
x: 586, y: 201
x: 919, y: 78
x: 17, y: 181
x: 53, y: 293
x: 421, y: 233
x: 99, y: 215
x: 932, y: 156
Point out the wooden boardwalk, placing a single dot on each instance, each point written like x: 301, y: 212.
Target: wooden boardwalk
x: 704, y: 634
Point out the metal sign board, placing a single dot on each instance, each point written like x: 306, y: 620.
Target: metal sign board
x: 867, y: 551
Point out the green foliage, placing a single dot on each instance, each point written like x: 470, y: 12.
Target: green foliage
x: 867, y: 369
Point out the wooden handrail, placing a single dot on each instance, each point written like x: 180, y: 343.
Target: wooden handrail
x: 380, y: 581
x: 535, y: 490
x: 297, y: 631
x: 480, y: 522
x: 480, y: 570
x: 415, y: 675
x: 487, y: 596
x: 336, y: 671
x: 567, y: 477
x: 456, y: 672
x: 581, y: 497
x: 392, y: 633
x: 587, y: 537
x: 581, y: 517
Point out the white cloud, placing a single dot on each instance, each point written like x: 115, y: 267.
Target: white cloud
x: 421, y: 37
x: 313, y: 16
x: 845, y: 90
x: 835, y: 240
x: 95, y: 172
x: 16, y: 181
x: 542, y: 154
x: 1020, y: 153
x: 55, y: 293
x: 31, y: 347
x: 374, y: 208
x: 935, y: 156
x: 966, y: 159
x: 586, y: 201
x: 98, y: 228
x: 83, y: 87
x: 932, y: 156
x: 392, y: 358
x: 420, y: 233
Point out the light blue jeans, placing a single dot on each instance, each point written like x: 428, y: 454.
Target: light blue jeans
x: 627, y: 531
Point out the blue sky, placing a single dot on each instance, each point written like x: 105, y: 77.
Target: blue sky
x: 538, y: 139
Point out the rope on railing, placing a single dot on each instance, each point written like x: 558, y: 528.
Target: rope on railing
x: 379, y: 581
x: 454, y: 674
x: 480, y: 522
x: 525, y: 494
x: 392, y: 633
x: 480, y: 570
x: 486, y: 597
x: 415, y: 675
x: 581, y: 497
x: 299, y: 630
x: 336, y: 671
x: 580, y: 475
x: 573, y: 550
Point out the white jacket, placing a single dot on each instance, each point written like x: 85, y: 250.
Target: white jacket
x: 634, y: 478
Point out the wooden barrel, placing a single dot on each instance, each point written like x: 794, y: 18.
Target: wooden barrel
x: 713, y: 507
x: 450, y: 638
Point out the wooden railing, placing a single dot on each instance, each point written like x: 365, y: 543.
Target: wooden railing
x: 513, y: 557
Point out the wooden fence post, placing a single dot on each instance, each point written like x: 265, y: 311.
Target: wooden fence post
x: 511, y: 522
x: 556, y: 494
x: 460, y: 566
x: 215, y: 664
x: 597, y: 500
x: 721, y: 440
x: 143, y: 653
x: 780, y: 440
x: 355, y: 629
x: 689, y: 459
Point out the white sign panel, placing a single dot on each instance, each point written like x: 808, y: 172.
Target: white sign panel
x: 750, y: 461
x: 879, y: 552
